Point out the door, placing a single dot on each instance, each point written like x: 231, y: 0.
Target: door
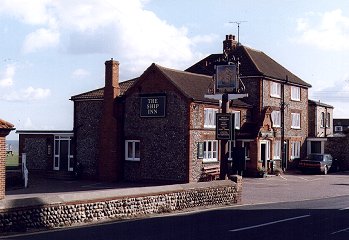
x: 62, y: 157
x: 264, y: 152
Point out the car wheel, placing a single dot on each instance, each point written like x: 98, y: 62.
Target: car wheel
x: 325, y: 170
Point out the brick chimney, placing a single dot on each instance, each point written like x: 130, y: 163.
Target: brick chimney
x: 229, y: 43
x: 109, y: 166
x: 5, y: 129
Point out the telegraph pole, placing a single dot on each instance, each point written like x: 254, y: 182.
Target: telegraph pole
x: 283, y: 155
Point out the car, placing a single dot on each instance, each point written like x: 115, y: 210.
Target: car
x: 316, y: 162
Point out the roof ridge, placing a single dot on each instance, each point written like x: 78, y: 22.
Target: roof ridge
x: 180, y: 71
x: 253, y: 61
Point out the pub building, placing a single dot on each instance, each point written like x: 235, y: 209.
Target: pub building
x: 161, y: 126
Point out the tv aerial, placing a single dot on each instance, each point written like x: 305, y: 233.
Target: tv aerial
x: 238, y: 23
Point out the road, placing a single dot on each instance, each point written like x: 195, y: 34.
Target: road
x: 326, y: 218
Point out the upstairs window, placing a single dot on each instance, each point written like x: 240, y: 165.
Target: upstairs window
x: 210, y: 117
x: 276, y: 118
x: 328, y: 120
x: 295, y: 93
x: 275, y: 89
x: 322, y: 119
x: 296, y: 120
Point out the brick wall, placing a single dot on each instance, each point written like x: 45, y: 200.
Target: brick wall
x: 338, y: 147
x: 164, y: 141
x: 35, y: 147
x: 198, y: 134
x: 86, y: 124
x: 315, y: 119
x: 109, y: 162
x: 2, y: 166
x: 163, y: 200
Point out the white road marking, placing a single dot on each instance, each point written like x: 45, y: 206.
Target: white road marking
x: 342, y: 209
x: 269, y: 223
x: 283, y: 177
x: 343, y: 230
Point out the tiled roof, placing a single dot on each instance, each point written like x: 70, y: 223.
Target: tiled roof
x: 97, y: 94
x: 253, y: 63
x: 5, y: 125
x: 318, y: 103
x: 192, y: 85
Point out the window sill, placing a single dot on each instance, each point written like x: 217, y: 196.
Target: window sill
x: 296, y: 128
x: 295, y: 100
x: 209, y: 161
x: 132, y: 160
x: 209, y: 127
x: 275, y: 96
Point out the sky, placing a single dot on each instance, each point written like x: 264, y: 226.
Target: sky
x: 51, y: 50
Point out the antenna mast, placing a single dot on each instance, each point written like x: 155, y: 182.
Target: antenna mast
x: 238, y: 23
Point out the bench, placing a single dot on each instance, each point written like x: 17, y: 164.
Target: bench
x: 211, y: 172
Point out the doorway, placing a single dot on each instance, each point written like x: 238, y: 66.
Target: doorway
x: 264, y: 152
x: 63, y: 158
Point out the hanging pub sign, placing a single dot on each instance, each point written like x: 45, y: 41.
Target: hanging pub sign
x: 153, y: 105
x: 226, y: 78
x: 224, y: 126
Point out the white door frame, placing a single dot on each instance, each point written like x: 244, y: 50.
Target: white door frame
x: 267, y: 151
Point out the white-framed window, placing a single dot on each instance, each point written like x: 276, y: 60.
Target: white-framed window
x: 296, y: 120
x: 338, y: 128
x: 275, y: 89
x: 295, y: 150
x: 322, y: 119
x: 277, y: 150
x: 210, y: 151
x: 132, y: 150
x: 210, y: 117
x: 328, y: 120
x: 237, y: 119
x: 246, y: 145
x: 295, y: 93
x: 276, y: 118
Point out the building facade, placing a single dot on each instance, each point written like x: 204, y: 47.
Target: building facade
x: 340, y: 126
x: 280, y: 105
x: 161, y: 125
x: 320, y: 120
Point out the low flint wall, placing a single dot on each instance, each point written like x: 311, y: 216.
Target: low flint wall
x: 71, y: 209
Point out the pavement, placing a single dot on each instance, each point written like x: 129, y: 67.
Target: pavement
x: 294, y: 186
x: 290, y: 186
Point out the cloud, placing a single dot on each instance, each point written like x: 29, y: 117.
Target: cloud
x: 328, y: 31
x: 28, y: 94
x: 122, y: 28
x: 80, y: 73
x: 6, y: 79
x: 40, y: 39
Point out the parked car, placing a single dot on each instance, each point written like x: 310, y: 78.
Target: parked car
x: 316, y: 162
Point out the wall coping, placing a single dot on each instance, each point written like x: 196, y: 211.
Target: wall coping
x: 104, y: 195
